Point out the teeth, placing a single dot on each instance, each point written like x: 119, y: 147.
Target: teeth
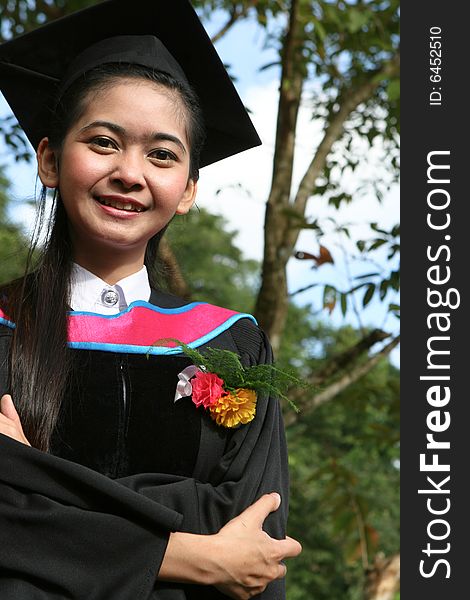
x: 121, y: 206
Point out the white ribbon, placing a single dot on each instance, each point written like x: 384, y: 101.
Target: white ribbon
x: 184, y: 387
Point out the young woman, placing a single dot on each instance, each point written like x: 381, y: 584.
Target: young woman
x: 108, y: 487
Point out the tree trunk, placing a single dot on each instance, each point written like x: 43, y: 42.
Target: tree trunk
x: 280, y: 233
x: 383, y: 578
x: 272, y: 301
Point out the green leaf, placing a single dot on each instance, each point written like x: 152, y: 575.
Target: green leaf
x: 395, y: 280
x: 337, y: 200
x: 319, y: 29
x: 368, y: 294
x: 344, y: 303
x: 383, y: 288
x: 393, y: 90
x: 356, y: 20
x: 263, y: 378
x: 376, y: 228
x: 377, y: 243
x: 361, y: 245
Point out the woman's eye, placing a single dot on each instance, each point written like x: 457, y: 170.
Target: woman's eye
x: 162, y: 155
x: 103, y: 142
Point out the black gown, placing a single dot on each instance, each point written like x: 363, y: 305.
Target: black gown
x: 91, y: 519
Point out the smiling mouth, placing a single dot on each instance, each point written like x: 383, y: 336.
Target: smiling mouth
x: 125, y: 206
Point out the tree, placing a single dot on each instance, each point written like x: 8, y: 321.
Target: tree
x: 351, y: 49
x: 13, y: 245
x: 214, y: 271
x: 345, y: 483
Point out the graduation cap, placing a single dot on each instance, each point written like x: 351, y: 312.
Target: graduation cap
x: 37, y: 66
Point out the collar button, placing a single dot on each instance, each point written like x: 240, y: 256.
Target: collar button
x: 109, y: 297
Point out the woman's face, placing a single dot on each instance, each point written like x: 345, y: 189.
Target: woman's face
x: 123, y: 168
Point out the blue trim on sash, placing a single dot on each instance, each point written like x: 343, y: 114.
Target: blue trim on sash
x: 8, y: 323
x: 137, y: 303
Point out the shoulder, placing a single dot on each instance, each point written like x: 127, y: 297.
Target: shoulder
x: 250, y: 340
x: 166, y: 300
x: 245, y: 335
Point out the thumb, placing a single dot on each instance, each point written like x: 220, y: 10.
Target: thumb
x: 256, y: 513
x: 8, y: 408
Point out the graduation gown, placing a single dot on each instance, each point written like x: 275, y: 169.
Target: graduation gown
x: 91, y: 519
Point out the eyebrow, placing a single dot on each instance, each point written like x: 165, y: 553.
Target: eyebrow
x: 155, y: 137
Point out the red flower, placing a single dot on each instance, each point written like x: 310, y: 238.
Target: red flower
x: 207, y: 388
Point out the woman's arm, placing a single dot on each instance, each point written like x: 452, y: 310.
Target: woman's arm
x: 240, y: 560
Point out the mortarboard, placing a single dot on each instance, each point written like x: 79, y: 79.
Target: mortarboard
x: 35, y: 66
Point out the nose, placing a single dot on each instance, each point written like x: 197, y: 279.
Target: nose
x: 128, y: 171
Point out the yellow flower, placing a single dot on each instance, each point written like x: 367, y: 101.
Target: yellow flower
x: 235, y: 408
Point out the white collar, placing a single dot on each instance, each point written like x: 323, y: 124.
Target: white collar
x: 87, y: 291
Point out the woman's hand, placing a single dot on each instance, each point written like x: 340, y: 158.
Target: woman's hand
x: 240, y: 560
x: 249, y: 558
x: 10, y: 423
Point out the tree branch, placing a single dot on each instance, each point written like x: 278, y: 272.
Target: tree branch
x: 332, y: 134
x: 340, y: 361
x: 235, y: 15
x: 329, y: 392
x: 361, y: 529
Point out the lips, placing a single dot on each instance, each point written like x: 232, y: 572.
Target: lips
x: 124, y: 204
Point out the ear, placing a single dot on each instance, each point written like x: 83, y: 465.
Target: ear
x: 188, y: 198
x: 47, y: 164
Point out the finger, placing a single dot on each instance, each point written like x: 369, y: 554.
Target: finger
x: 8, y: 408
x: 288, y: 548
x: 255, y: 514
x: 5, y: 403
x: 282, y: 571
x: 9, y: 415
x: 4, y: 419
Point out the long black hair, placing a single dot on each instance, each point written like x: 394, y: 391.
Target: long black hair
x: 40, y: 364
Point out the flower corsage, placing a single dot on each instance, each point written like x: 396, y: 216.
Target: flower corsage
x: 218, y: 382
